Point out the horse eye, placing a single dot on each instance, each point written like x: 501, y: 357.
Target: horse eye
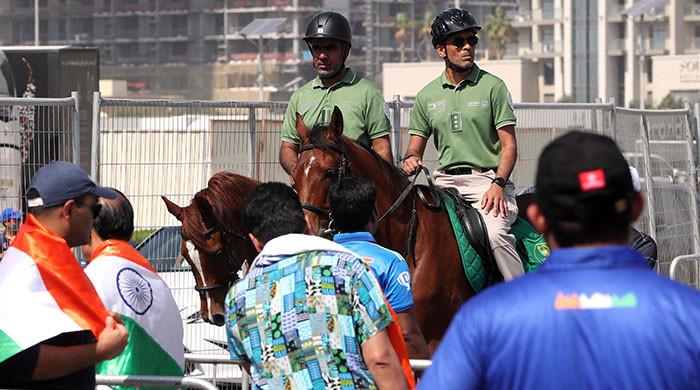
x: 330, y: 174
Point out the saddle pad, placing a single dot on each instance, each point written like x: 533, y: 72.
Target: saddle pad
x: 471, y: 262
x: 530, y: 245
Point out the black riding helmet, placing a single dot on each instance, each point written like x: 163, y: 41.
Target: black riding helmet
x: 330, y: 25
x: 451, y: 21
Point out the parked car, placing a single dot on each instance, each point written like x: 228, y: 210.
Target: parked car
x: 162, y: 249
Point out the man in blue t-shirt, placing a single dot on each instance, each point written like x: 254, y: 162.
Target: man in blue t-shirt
x: 593, y: 315
x: 353, y: 209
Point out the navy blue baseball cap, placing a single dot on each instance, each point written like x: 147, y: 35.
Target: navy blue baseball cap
x: 61, y: 181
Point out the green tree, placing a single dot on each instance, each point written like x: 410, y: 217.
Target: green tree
x: 404, y: 26
x: 566, y: 99
x: 669, y: 102
x: 499, y: 32
x: 424, y: 32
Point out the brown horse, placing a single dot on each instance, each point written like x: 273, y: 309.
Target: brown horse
x: 421, y: 234
x: 210, y: 224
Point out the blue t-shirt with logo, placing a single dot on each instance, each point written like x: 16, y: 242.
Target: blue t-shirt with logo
x: 389, y: 267
x: 588, y: 318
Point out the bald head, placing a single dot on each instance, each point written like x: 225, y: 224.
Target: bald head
x: 116, y: 219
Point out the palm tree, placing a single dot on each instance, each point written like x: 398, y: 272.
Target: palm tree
x: 499, y: 33
x: 403, y: 25
x: 424, y: 32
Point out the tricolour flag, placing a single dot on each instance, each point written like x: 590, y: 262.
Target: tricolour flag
x: 129, y: 286
x: 43, y: 291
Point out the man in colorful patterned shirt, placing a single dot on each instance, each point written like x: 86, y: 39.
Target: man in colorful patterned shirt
x: 309, y: 314
x: 352, y: 202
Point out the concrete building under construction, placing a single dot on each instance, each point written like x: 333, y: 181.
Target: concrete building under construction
x: 194, y: 49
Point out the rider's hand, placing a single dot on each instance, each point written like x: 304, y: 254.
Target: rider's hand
x: 112, y: 340
x: 411, y: 164
x: 495, y: 200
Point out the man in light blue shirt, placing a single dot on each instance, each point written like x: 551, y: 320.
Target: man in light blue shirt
x: 353, y: 213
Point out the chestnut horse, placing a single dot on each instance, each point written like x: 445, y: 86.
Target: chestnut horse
x: 422, y: 234
x: 211, y: 225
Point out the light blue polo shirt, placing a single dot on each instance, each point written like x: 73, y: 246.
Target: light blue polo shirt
x: 389, y: 267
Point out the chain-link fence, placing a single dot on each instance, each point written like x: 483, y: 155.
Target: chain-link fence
x: 33, y: 132
x: 149, y: 148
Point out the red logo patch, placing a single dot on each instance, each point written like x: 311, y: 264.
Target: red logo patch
x: 592, y: 180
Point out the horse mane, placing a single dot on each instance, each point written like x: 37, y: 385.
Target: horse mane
x: 218, y: 203
x: 318, y: 136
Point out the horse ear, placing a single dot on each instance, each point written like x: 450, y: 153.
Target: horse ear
x: 336, y: 125
x: 173, y: 209
x: 205, y: 209
x: 302, y: 130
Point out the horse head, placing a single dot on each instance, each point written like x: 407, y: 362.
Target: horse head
x: 213, y: 241
x: 322, y: 162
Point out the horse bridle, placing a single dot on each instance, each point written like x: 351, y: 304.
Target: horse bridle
x: 344, y: 167
x: 343, y: 170
x: 233, y: 263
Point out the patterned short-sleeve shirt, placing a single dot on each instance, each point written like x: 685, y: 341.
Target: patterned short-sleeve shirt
x: 300, y: 320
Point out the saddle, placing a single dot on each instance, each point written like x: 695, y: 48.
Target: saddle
x: 471, y: 223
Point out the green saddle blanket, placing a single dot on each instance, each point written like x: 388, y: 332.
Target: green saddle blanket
x: 529, y: 244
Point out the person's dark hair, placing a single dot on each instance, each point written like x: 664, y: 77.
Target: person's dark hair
x: 116, y: 218
x: 352, y: 202
x: 571, y: 233
x: 272, y: 210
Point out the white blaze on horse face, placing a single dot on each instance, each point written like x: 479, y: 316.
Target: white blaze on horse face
x: 312, y: 162
x: 193, y: 254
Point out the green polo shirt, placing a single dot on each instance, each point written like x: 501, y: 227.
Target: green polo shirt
x: 464, y: 118
x: 360, y: 101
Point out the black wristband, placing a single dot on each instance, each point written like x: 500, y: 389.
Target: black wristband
x: 501, y: 182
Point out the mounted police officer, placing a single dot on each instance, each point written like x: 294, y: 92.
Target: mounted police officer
x: 470, y: 112
x: 329, y: 37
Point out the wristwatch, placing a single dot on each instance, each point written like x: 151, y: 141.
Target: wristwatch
x: 501, y: 182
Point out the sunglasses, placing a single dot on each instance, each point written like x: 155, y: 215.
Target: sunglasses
x: 95, y: 208
x: 472, y: 40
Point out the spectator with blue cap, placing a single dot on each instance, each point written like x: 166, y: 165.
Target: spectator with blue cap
x: 53, y: 324
x: 11, y: 220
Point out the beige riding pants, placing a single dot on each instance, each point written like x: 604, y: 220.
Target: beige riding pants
x: 472, y: 187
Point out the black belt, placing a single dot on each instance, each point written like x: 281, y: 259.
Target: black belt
x: 466, y: 171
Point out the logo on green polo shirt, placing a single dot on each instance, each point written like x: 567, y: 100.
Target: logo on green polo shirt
x: 435, y: 107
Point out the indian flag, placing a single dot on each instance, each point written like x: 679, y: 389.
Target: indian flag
x: 128, y: 285
x: 43, y: 291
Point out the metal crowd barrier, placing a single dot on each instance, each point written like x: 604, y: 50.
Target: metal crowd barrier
x: 686, y: 269
x: 418, y: 365
x: 139, y: 381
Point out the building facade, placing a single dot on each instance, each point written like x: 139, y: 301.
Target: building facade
x: 589, y: 49
x: 193, y: 49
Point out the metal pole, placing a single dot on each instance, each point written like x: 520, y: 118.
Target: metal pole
x: 253, y: 137
x: 36, y: 22
x: 613, y: 121
x: 76, y: 128
x: 95, y: 146
x: 648, y: 187
x: 696, y: 113
x: 641, y: 61
x: 396, y: 129
x: 226, y: 31
x: 261, y: 68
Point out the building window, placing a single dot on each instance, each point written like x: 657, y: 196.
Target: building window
x: 548, y: 72
x: 548, y: 98
x: 648, y: 69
